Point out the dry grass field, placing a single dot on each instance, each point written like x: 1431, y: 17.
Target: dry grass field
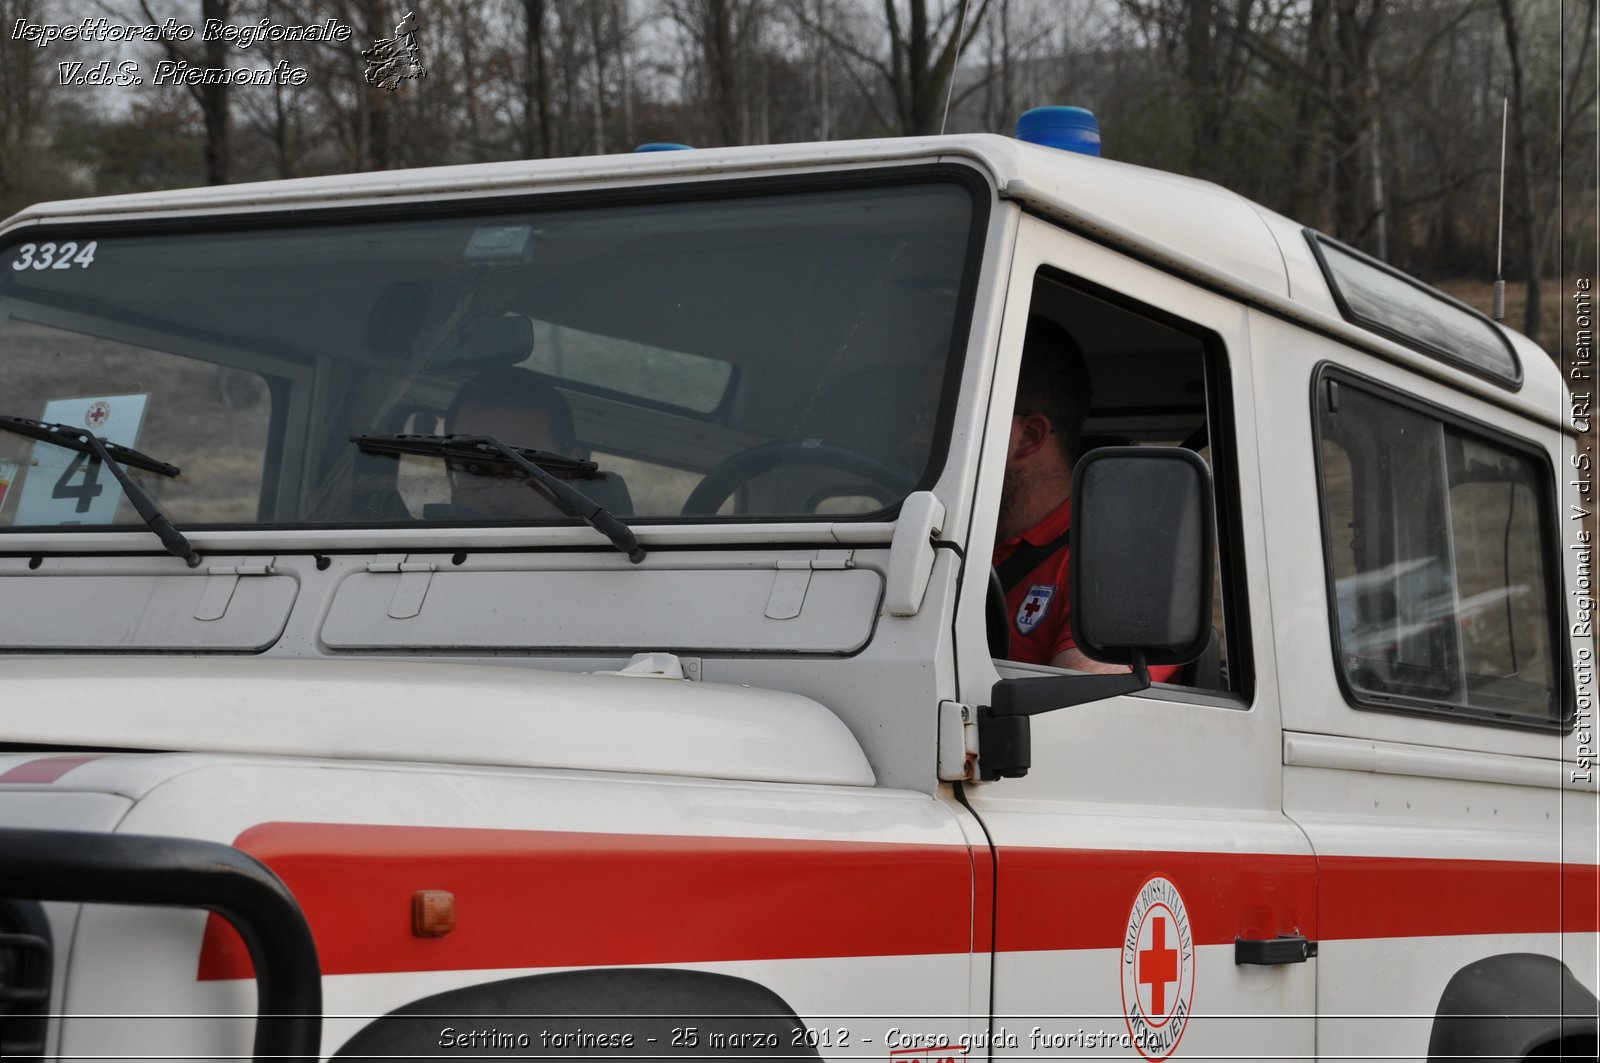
x: 208, y: 420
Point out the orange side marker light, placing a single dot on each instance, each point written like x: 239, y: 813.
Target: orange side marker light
x: 433, y: 913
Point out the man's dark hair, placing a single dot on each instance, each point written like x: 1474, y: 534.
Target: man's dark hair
x: 521, y: 389
x: 1054, y: 381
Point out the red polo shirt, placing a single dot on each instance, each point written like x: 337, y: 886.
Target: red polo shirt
x: 1037, y: 607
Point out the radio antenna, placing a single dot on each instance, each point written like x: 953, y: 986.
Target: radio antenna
x: 1500, y: 239
x: 961, y: 31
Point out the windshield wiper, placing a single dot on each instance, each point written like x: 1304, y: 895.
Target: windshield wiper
x: 109, y: 454
x: 532, y: 463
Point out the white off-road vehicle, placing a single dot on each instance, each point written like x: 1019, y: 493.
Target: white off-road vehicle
x: 333, y: 725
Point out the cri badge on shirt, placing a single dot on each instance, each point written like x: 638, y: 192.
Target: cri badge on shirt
x: 1034, y: 606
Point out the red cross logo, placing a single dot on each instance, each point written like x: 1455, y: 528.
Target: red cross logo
x: 98, y: 414
x: 1030, y: 608
x: 1158, y: 965
x: 1157, y: 969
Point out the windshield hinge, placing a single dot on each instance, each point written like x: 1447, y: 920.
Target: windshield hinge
x: 958, y: 742
x: 221, y: 581
x: 834, y: 559
x: 412, y: 587
x: 794, y: 579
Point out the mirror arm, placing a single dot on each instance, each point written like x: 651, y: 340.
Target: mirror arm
x: 1045, y: 693
x: 1005, y: 745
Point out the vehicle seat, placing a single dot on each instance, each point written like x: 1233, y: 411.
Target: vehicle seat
x: 608, y: 489
x: 1094, y: 441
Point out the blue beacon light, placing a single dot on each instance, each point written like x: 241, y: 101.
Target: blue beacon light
x: 1066, y: 128
x: 663, y: 146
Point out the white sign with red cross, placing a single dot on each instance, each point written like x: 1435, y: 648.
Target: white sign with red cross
x: 1157, y: 969
x: 63, y: 486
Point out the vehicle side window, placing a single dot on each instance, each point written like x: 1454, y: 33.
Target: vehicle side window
x: 1437, y: 540
x: 1147, y: 378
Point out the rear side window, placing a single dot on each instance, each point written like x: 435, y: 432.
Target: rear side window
x: 1381, y: 299
x: 1439, y: 564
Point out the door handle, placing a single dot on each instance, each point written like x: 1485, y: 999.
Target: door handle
x: 1269, y: 952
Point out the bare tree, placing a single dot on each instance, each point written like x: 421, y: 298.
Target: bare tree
x: 212, y: 98
x: 923, y: 46
x: 1579, y: 102
x: 271, y: 118
x: 24, y: 74
x: 724, y: 33
x: 1522, y: 168
x: 922, y: 58
x: 537, y: 135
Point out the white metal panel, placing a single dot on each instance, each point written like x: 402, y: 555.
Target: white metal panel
x: 1069, y: 1005
x: 1418, y: 821
x: 609, y: 609
x: 1295, y: 555
x: 413, y: 711
x: 138, y: 963
x: 151, y: 612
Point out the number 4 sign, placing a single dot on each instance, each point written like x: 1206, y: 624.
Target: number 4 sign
x: 65, y: 487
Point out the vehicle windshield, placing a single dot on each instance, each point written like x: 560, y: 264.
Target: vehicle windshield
x: 748, y: 356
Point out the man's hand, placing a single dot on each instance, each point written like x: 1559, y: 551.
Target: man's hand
x: 1074, y: 659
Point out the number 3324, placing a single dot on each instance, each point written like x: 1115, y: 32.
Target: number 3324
x: 64, y: 255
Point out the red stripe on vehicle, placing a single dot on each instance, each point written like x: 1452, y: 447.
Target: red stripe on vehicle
x: 1080, y: 898
x: 46, y: 769
x: 983, y: 883
x: 1366, y: 897
x: 557, y: 899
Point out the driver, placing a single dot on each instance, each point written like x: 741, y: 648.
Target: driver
x: 1032, y: 540
x: 520, y: 409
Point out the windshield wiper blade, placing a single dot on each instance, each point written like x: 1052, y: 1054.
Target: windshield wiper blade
x: 532, y: 463
x: 109, y: 454
x: 471, y: 449
x: 73, y: 439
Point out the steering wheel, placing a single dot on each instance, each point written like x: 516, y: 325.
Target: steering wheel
x: 738, y: 469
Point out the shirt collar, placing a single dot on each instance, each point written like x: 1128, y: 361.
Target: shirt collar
x: 1049, y: 529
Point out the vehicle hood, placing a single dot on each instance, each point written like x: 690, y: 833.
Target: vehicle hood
x: 469, y: 714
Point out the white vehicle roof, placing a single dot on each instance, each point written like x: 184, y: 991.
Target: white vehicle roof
x: 1192, y: 227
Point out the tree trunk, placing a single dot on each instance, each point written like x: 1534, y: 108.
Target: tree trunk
x: 597, y: 56
x: 536, y: 133
x: 1200, y: 76
x: 1309, y: 195
x: 1522, y: 167
x: 467, y: 31
x: 214, y: 101
x: 1355, y: 39
x: 211, y: 99
x: 722, y: 70
x: 1375, y: 156
x: 619, y: 18
x: 824, y: 115
x: 22, y: 94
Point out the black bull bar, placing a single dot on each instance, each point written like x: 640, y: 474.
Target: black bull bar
x: 130, y: 869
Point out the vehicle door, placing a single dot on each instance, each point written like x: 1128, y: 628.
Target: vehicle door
x: 1429, y: 742
x: 1145, y: 856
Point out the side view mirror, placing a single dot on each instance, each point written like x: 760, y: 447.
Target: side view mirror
x: 1140, y: 587
x: 1142, y: 543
